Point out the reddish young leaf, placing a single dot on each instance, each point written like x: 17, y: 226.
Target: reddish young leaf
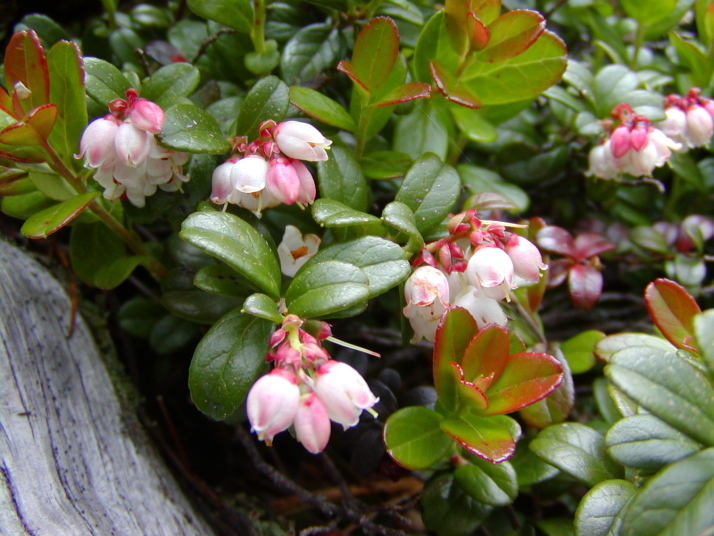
x: 349, y: 69
x: 375, y: 52
x: 512, y: 34
x: 672, y: 310
x: 449, y: 88
x: 456, y: 329
x: 584, y: 285
x: 555, y: 407
x: 486, y: 10
x: 457, y: 28
x: 479, y: 34
x: 556, y: 240
x: 25, y: 62
x: 558, y: 271
x: 491, y: 438
x: 468, y: 390
x: 6, y: 103
x: 34, y: 130
x: 487, y: 354
x: 527, y: 378
x: 404, y: 93
x: 590, y: 244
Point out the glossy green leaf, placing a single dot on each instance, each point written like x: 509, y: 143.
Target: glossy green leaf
x: 646, y: 12
x: 223, y: 280
x: 236, y: 14
x: 104, y: 82
x: 340, y: 178
x: 320, y: 107
x: 579, y: 350
x: 456, y: 330
x: 64, y: 61
x: 401, y: 94
x: 601, y: 510
x: 112, y: 275
x: 512, y: 34
x: 329, y: 213
x: 171, y: 334
x: 577, y: 450
x: 414, y: 438
x: 93, y: 247
x: 480, y: 180
x: 52, y: 219
x: 668, y: 387
x: 190, y: 129
x: 530, y: 469
x: 375, y: 53
x: 607, y: 347
x: 676, y: 501
x: 611, y: 86
x: 25, y: 62
x: 25, y: 205
x: 52, y: 185
x: 269, y: 99
x: 170, y: 83
x: 474, y: 126
x: 326, y: 287
x: 645, y: 442
x: 491, y: 438
x: 260, y: 63
x: 238, y: 244
x: 33, y: 130
x: 262, y: 306
x: 672, y: 310
x: 430, y: 189
x: 385, y: 164
x: 704, y: 335
x: 488, y: 483
x: 399, y: 216
x: 46, y: 29
x: 521, y: 77
x: 312, y: 50
x: 424, y: 130
x: 667, y: 20
x: 448, y: 509
x: 227, y: 361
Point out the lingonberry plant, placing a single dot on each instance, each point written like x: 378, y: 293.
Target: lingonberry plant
x: 288, y: 191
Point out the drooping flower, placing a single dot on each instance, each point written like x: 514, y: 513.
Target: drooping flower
x: 301, y: 141
x: 343, y: 392
x: 295, y: 249
x: 490, y: 269
x: 312, y: 425
x: 272, y: 403
x: 427, y: 295
x: 688, y: 120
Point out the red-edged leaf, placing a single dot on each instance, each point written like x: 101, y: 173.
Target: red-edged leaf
x: 555, y: 407
x: 468, y: 390
x: 26, y: 155
x: 584, y: 285
x: 449, y: 88
x: 52, y: 219
x: 6, y: 103
x: 25, y: 62
x: 672, y: 310
x: 512, y: 34
x: 347, y: 68
x: 486, y: 10
x: 457, y: 28
x: 590, y: 244
x: 491, y: 438
x: 404, y: 93
x: 487, y: 354
x: 456, y: 329
x: 34, y: 130
x: 480, y: 35
x: 556, y: 240
x: 375, y: 52
x: 528, y: 377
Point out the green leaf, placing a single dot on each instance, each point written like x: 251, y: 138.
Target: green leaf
x: 170, y: 334
x: 455, y: 331
x: 93, y: 247
x: 645, y: 442
x: 512, y: 34
x: 668, y: 387
x: 52, y: 185
x: 190, y: 129
x: 375, y: 53
x: 262, y: 306
x: 385, y: 164
x: 263, y: 62
x: 139, y: 315
x: 327, y: 287
x: 704, y: 336
x: 330, y: 213
x: 104, y: 82
x: 227, y: 361
x: 169, y: 84
x: 521, y: 77
x: 601, y: 510
x: 693, y: 58
x: 611, y: 86
x: 672, y: 310
x: 25, y: 205
x: 448, y: 509
x: 676, y: 501
x: 555, y: 407
x: 474, y: 126
x: 529, y: 467
x: 236, y: 14
x: 430, y: 189
x: 383, y: 262
x: 607, y: 347
x: 400, y: 217
x: 52, y: 219
x: 488, y: 483
x: 646, y: 12
x: 112, y: 275
x: 579, y: 350
x: 424, y: 129
x: 33, y: 130
x: 269, y: 99
x: 414, y: 438
x: 223, y: 280
x: 340, y: 178
x: 46, y: 29
x: 577, y: 450
x: 491, y: 438
x: 64, y: 61
x: 320, y: 107
x: 311, y: 51
x: 479, y: 180
x: 238, y: 244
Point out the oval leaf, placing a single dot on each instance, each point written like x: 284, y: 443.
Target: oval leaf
x: 267, y: 100
x: 491, y: 438
x: 488, y: 483
x: 340, y: 178
x: 190, y: 129
x: 167, y: 85
x: 322, y: 108
x: 52, y: 219
x: 672, y: 309
x: 601, y: 510
x: 414, y: 438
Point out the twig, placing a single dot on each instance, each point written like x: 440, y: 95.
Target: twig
x: 208, y: 41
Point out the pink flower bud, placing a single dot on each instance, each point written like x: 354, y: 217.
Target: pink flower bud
x: 620, y: 141
x: 312, y: 425
x: 98, y: 141
x: 283, y: 181
x: 249, y: 174
x: 638, y: 137
x: 272, y: 403
x: 222, y: 186
x: 307, y: 184
x: 132, y: 144
x: 490, y: 267
x: 343, y: 392
x: 699, y: 126
x: 526, y: 258
x: 301, y: 141
x: 146, y: 115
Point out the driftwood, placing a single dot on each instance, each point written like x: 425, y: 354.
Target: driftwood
x: 73, y: 460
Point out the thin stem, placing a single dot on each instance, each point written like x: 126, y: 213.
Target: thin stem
x: 258, y: 34
x: 639, y: 39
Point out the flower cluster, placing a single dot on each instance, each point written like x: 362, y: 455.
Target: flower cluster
x: 268, y: 171
x: 122, y: 148
x: 634, y: 147
x: 689, y: 120
x: 306, y: 389
x: 476, y: 266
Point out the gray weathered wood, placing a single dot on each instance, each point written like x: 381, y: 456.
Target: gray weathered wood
x: 72, y: 460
